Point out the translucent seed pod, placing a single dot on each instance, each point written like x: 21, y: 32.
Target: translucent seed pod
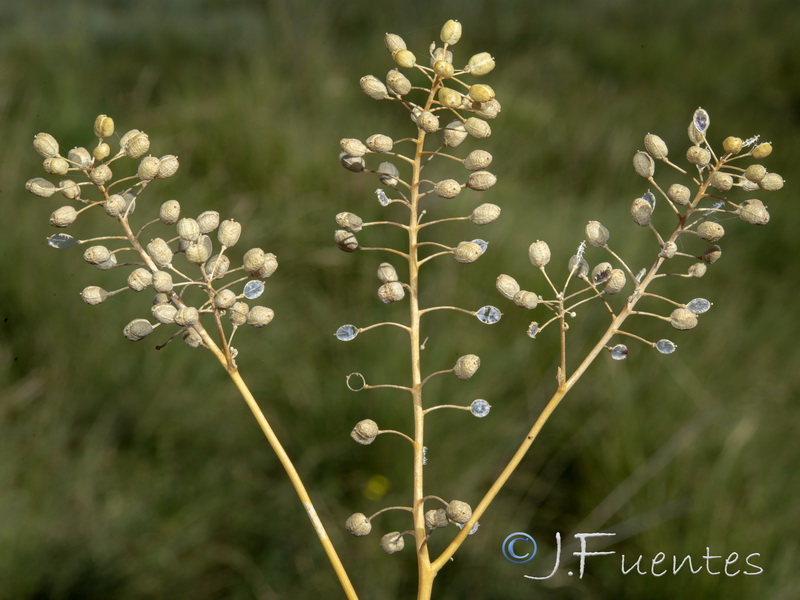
x: 63, y: 217
x: 80, y: 157
x: 697, y: 155
x: 392, y: 542
x: 427, y: 121
x: 260, y: 316
x: 365, y: 432
x: 238, y: 313
x: 229, y: 233
x: 480, y: 64
x: 644, y: 165
x: 268, y: 268
x: 101, y: 151
x: 148, y: 168
x: 467, y: 252
x: 160, y: 252
x: 38, y: 186
x: 722, y: 181
x: 352, y: 163
x: 507, y: 286
x: 188, y: 229
x: 69, y: 189
x: 353, y: 147
x: 697, y: 270
x: 55, y: 165
x: 186, y: 316
x: 373, y: 87
x: 526, y: 299
x: 679, y: 194
x: 45, y: 145
x: 447, y: 96
x: 683, y: 319
x: 358, y: 524
x: 616, y: 282
x: 480, y: 92
x: 477, y: 160
x: 167, y: 166
x: 391, y: 292
x: 394, y: 43
x: 140, y: 279
x: 103, y: 126
x: 398, y: 83
x: 539, y: 254
x: 164, y: 313
x: 641, y: 212
x: 224, y: 299
x: 389, y: 174
x: 217, y: 266
x: 345, y: 240
x: 138, y: 329
x: 94, y: 295
x: 454, y: 133
x: 578, y: 266
x: 712, y: 254
x: 94, y: 255
x: 134, y: 143
x: 466, y: 366
x: 477, y: 128
x: 481, y: 180
x: 710, y: 231
x: 169, y: 212
x: 753, y: 212
x: 485, y: 214
x: 379, y: 143
x: 596, y: 234
x: 755, y: 173
x: 771, y: 182
x: 447, y: 188
x: 101, y: 174
x: 451, y: 32
x: 655, y: 146
x: 762, y: 151
x: 349, y: 222
x: 458, y: 511
x: 405, y: 58
x: 162, y: 282
x: 436, y: 518
x: 732, y: 145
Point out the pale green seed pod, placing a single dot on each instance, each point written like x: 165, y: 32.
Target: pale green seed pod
x: 352, y: 163
x: 135, y: 143
x: 697, y: 155
x: 365, y: 432
x: 101, y: 151
x: 467, y: 252
x: 353, y: 147
x: 427, y: 121
x: 771, y: 182
x: 655, y: 146
x: 45, y: 145
x: 405, y: 58
x: 436, y: 518
x: 55, y: 165
x: 466, y: 366
x: 224, y: 299
x: 358, y: 524
x: 138, y: 329
x: 186, y: 316
x: 38, y: 186
x: 454, y: 133
x: 217, y: 266
x: 387, y: 273
x: 391, y: 292
x: 94, y: 255
x: 762, y: 151
x: 477, y: 160
x: 480, y: 92
x: 722, y: 181
x: 596, y: 234
x: 160, y: 252
x: 115, y: 206
x: 80, y: 157
x: 710, y: 231
x: 63, y: 217
x: 477, y: 128
x: 444, y: 69
x: 644, y: 165
x: 392, y: 542
x: 616, y: 282
x: 732, y: 145
x: 447, y: 96
x: 447, y: 188
x: 101, y: 174
x: 485, y: 214
x: 458, y: 511
x: 451, y: 32
x: 480, y: 64
x: 379, y: 143
x: 200, y: 251
x: 349, y: 222
x: 148, y: 168
x: 167, y: 166
x: 94, y: 295
x: 539, y: 254
x: 507, y: 286
x: 208, y: 221
x: 526, y: 299
x: 164, y: 313
x: 373, y: 87
x: 398, y: 83
x: 260, y: 316
x: 268, y: 268
x: 481, y: 180
x: 140, y: 279
x: 103, y: 126
x: 712, y: 254
x: 755, y: 173
x: 238, y: 313
x: 229, y: 233
x: 679, y: 194
x: 683, y: 319
x: 162, y: 282
x: 697, y: 270
x: 188, y: 229
x: 345, y: 240
x: 753, y: 212
x: 394, y: 43
x: 641, y: 212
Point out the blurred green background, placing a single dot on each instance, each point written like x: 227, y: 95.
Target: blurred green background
x: 127, y: 472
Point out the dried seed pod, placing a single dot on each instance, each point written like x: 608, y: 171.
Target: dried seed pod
x: 186, y: 316
x: 379, y: 143
x: 229, y: 233
x: 100, y: 174
x: 45, y: 145
x: 387, y: 273
x: 253, y: 259
x: 697, y: 270
x: 710, y: 231
x: 349, y: 222
x: 682, y: 318
x: 389, y: 174
x: 94, y: 255
x: 712, y: 254
x: 485, y: 214
x: 451, y: 32
x: 188, y: 229
x: 38, y: 186
x: 169, y: 212
x: 436, y: 518
x: 480, y: 64
x: 148, y: 168
x: 164, y: 313
x: 217, y: 266
x: 753, y: 212
x: 394, y: 43
x: 481, y: 180
x: 428, y: 122
x: 732, y: 145
x: 140, y: 279
x: 69, y: 189
x: 352, y: 163
x: 238, y: 313
x: 526, y: 299
x: 345, y: 240
x: 507, y: 286
x: 160, y: 298
x: 616, y: 281
x: 55, y: 165
x: 722, y: 181
x: 137, y: 329
x: 477, y: 128
x: 135, y: 143
x: 208, y: 221
x: 115, y: 206
x: 487, y: 110
x: 539, y: 254
x: 398, y: 83
x: 103, y: 126
x: 160, y: 252
x: 641, y: 212
x: 458, y: 511
x: 192, y: 339
x: 94, y: 295
x: 466, y: 366
x: 669, y: 249
x: 447, y: 96
x: 268, y: 268
x: 755, y: 173
x: 454, y: 133
x: 644, y: 165
x: 353, y: 147
x: 447, y: 188
x: 762, y: 151
x: 162, y: 281
x: 80, y: 156
x: 467, y: 252
x: 771, y: 182
x: 601, y: 273
x: 655, y: 146
x: 63, y: 217
x: 578, y: 266
x: 392, y: 542
x: 260, y: 316
x: 405, y: 58
x: 167, y: 166
x: 679, y: 194
x: 481, y: 92
x: 200, y: 251
x: 365, y: 432
x: 697, y: 155
x: 596, y: 234
x: 477, y: 160
x: 224, y: 299
x: 358, y: 524
x: 373, y: 87
x: 695, y: 136
x: 749, y: 186
x: 391, y: 292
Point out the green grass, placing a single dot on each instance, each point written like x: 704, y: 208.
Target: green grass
x: 127, y: 472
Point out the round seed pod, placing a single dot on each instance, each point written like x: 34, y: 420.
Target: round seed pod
x: 722, y: 181
x: 380, y: 143
x: 526, y: 299
x: 481, y: 93
x: 94, y: 255
x: 268, y: 268
x: 55, y: 165
x: 398, y: 83
x: 487, y: 110
x: 477, y: 160
x: 373, y: 87
x: 447, y: 188
x: 480, y: 64
x: 224, y: 299
x: 389, y: 174
x: 445, y: 69
x: 365, y: 432
x: 200, y: 251
x: 539, y: 254
x: 732, y: 145
x: 108, y: 264
x: 669, y: 249
x: 101, y: 174
x: 188, y: 229
x: 115, y: 206
x: 355, y: 164
x: 641, y: 212
x: 391, y: 292
x: 164, y: 313
x: 186, y: 316
x: 140, y: 279
x: 353, y: 147
x: 160, y: 298
x: 217, y: 266
x: 349, y: 222
x: 771, y: 182
x: 94, y: 295
x: 507, y: 286
x: 762, y: 151
x: 644, y: 165
x: 358, y: 524
x: 447, y: 96
x: 259, y: 316
x: 682, y: 318
x: 466, y: 366
x: 148, y: 168
x: 753, y: 212
x: 167, y: 166
x: 345, y: 240
x: 208, y: 221
x: 458, y: 511
x: 103, y: 126
x: 481, y: 180
x: 601, y: 273
x: 392, y: 542
x: 405, y: 58
x: 63, y: 217
x: 253, y: 259
x: 578, y: 267
x: 162, y: 281
x: 451, y: 32
x: 80, y: 157
x: 485, y: 214
x: 134, y: 143
x: 394, y: 43
x: 749, y: 186
x: 192, y: 339
x: 755, y: 173
x: 596, y: 234
x: 697, y: 155
x: 467, y: 252
x: 229, y: 233
x: 436, y: 518
x: 697, y: 270
x: 170, y: 212
x: 477, y: 128
x: 138, y: 329
x: 679, y: 194
x: 69, y: 189
x: 238, y: 313
x: 710, y: 231
x: 101, y: 151
x: 712, y: 254
x: 655, y: 146
x: 45, y: 145
x: 427, y: 121
x: 387, y: 273
x: 454, y: 133
x: 616, y: 281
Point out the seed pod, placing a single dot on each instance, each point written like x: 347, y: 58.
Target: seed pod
x: 679, y: 194
x: 477, y: 160
x: 481, y: 93
x: 94, y: 255
x: 578, y: 267
x: 467, y: 252
x: 697, y: 155
x: 772, y: 182
x: 101, y: 174
x: 224, y: 299
x: 392, y: 542
x: 644, y: 165
x: 436, y: 518
x: 238, y: 313
x: 391, y: 292
x: 398, y: 83
x: 208, y: 221
x: 616, y: 281
x: 135, y: 143
x: 389, y: 174
x: 487, y: 110
x: 137, y: 329
x: 188, y: 229
x: 732, y: 145
x: 722, y: 181
x: 466, y: 366
x: 695, y: 136
x: 373, y: 87
x: 169, y: 212
x: 268, y: 268
x: 164, y: 313
x: 217, y: 266
x: 753, y: 212
x: 405, y: 58
x: 485, y: 214
x: 480, y: 64
x: 253, y: 259
x: 229, y: 233
x: 669, y: 249
x: 710, y: 231
x: 159, y: 251
x: 345, y: 240
x: 454, y: 133
x: 641, y: 212
x: 601, y: 273
x: 192, y: 339
x: 358, y: 524
x: 115, y: 206
x: 162, y: 281
x: 481, y: 180
x: 539, y: 254
x: 167, y: 166
x: 428, y: 122
x: 712, y: 254
x: 101, y: 151
x: 349, y: 222
x: 45, y: 145
x: 762, y: 151
x: 160, y: 298
x: 394, y: 43
x: 55, y: 165
x: 200, y: 251
x: 755, y: 173
x: 526, y: 299
x: 445, y: 69
x: 94, y: 295
x: 655, y: 146
x: 596, y: 234
x: 139, y: 279
x: 447, y: 96
x: 447, y: 188
x: 477, y: 128
x: 353, y: 147
x: 352, y: 163
x: 63, y: 217
x: 380, y: 143
x: 749, y: 186
x: 103, y: 126
x: 69, y: 189
x: 38, y: 186
x: 458, y: 511
x: 451, y: 32
x: 682, y: 318
x: 80, y: 157
x: 507, y: 286
x: 148, y: 168
x: 186, y: 316
x: 697, y: 270
x: 387, y: 273
x: 365, y: 432
x: 260, y: 316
